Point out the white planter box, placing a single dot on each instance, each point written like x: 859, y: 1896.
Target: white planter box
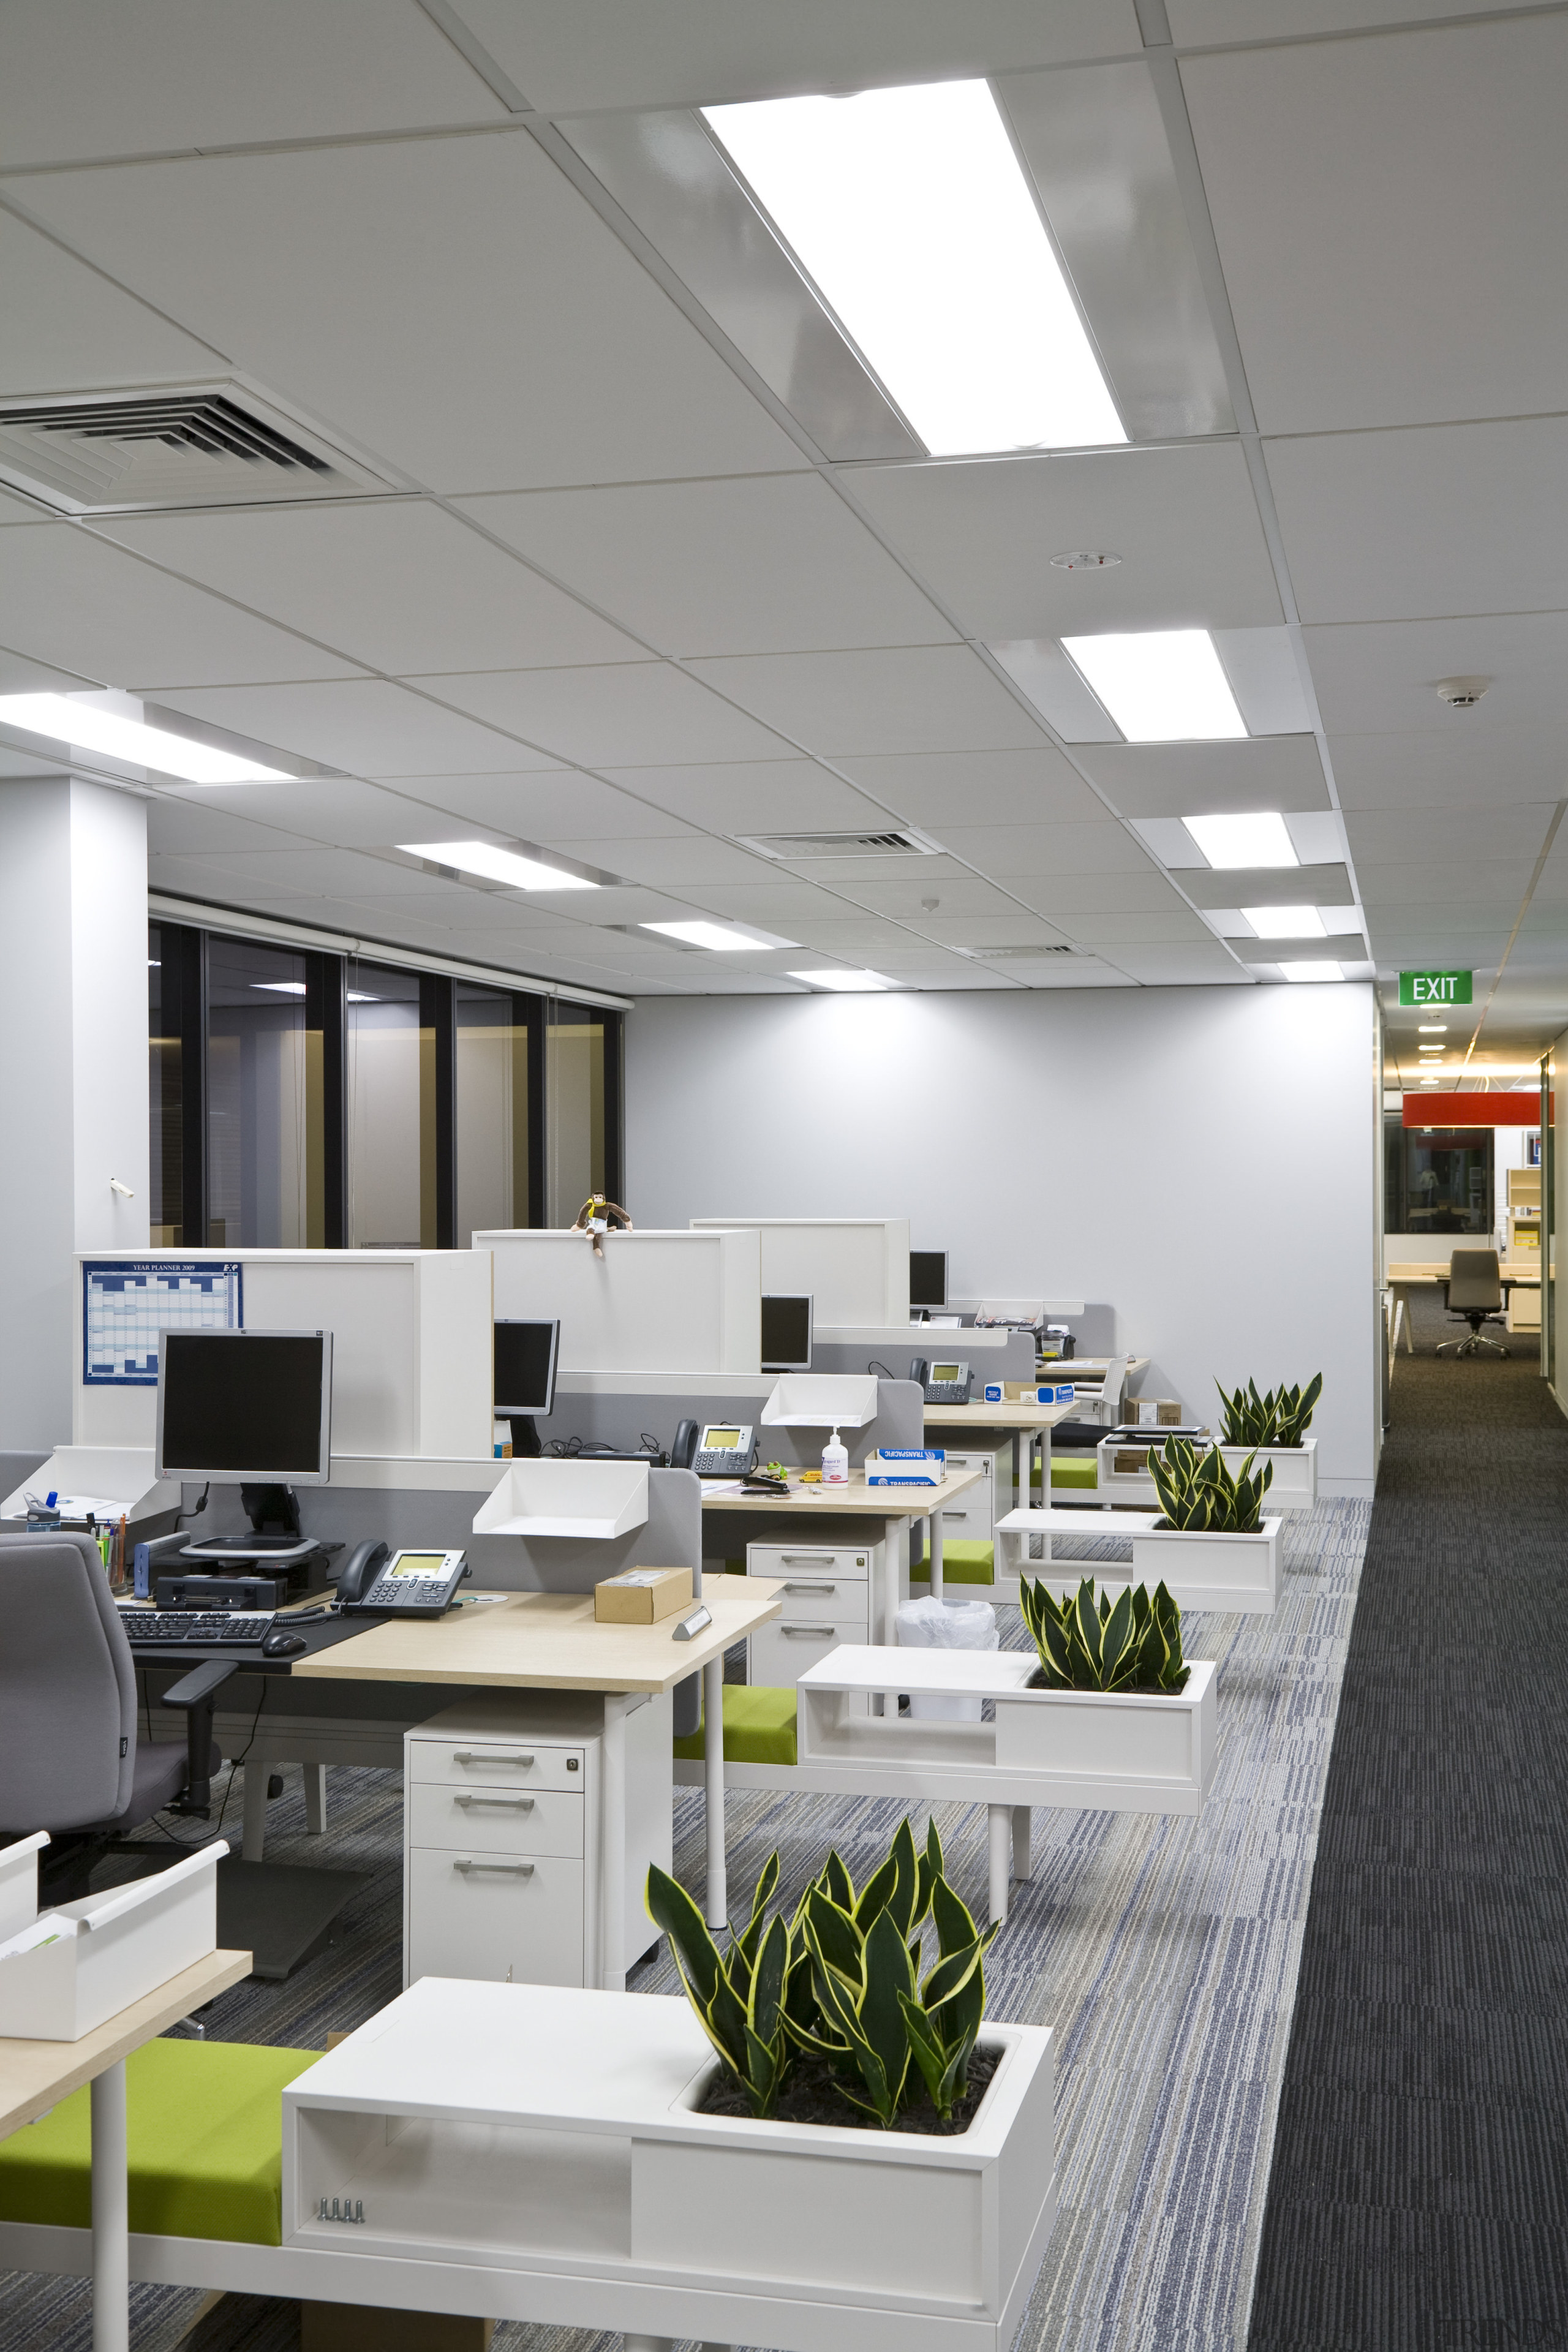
x: 1231, y: 1573
x: 1080, y: 1740
x: 1294, y: 1486
x: 117, y: 1947
x: 535, y: 2128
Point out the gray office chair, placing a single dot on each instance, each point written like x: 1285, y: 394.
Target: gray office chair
x: 71, y: 1761
x: 1474, y: 1293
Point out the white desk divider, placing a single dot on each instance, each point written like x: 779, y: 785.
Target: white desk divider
x: 105, y: 1951
x: 654, y: 1304
x: 19, y: 1883
x: 856, y: 1269
x: 595, y: 1500
x: 821, y: 1400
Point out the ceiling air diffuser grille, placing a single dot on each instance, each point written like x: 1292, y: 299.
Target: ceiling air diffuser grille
x: 1020, y: 955
x: 899, y: 841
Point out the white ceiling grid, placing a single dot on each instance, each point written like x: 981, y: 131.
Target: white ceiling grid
x: 620, y: 608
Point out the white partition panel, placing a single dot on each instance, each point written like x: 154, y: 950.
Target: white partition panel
x: 856, y: 1269
x: 412, y: 1357
x: 652, y: 1303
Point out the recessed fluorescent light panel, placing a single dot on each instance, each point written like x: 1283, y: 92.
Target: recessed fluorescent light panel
x: 1312, y: 971
x: 716, y: 937
x: 845, y: 982
x: 1160, y: 685
x: 92, y: 729
x: 493, y: 865
x: 1286, y: 922
x: 908, y: 210
x: 1243, y: 840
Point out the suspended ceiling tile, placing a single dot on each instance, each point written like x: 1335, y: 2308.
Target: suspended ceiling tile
x: 66, y: 324
x: 179, y: 74
x: 1155, y: 779
x: 340, y: 810
x: 1203, y: 22
x: 1443, y: 769
x: 1453, y: 519
x: 1431, y: 835
x: 365, y: 726
x: 1004, y: 850
x: 1181, y: 967
x: 614, y: 53
x: 902, y: 895
x: 20, y: 673
x: 928, y: 699
x: 1289, y: 886
x: 70, y: 600
x: 932, y: 788
x: 753, y: 796
x: 536, y: 807
x: 671, y: 862
x: 1490, y: 883
x: 1063, y: 897
x: 1389, y: 215
x: 1141, y: 929
x: 1183, y: 521
x: 399, y: 585
x: 1384, y: 679
x: 316, y: 867
x: 627, y: 714
x: 452, y: 304
x: 772, y: 563
x: 197, y: 828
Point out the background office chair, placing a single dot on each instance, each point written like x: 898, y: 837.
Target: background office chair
x: 1102, y: 1404
x: 1474, y: 1292
x: 71, y: 1761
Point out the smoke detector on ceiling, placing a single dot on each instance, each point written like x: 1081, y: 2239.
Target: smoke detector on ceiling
x: 1084, y: 559
x: 1462, y: 693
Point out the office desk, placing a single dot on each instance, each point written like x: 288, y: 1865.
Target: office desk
x: 36, y: 2075
x: 549, y: 1640
x: 896, y: 1507
x: 1416, y: 1274
x: 1031, y: 1424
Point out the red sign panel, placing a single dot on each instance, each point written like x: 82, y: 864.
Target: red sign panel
x: 1434, y: 1108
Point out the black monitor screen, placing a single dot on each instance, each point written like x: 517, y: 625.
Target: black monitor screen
x: 525, y: 1366
x: 928, y: 1277
x: 787, y: 1332
x: 250, y: 1402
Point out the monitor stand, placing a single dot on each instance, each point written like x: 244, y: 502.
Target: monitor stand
x: 274, y: 1516
x: 525, y: 1436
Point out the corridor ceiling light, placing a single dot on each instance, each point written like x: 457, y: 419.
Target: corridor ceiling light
x: 297, y: 988
x: 716, y: 937
x: 90, y: 727
x: 1160, y: 686
x: 908, y: 210
x: 1286, y: 922
x: 843, y: 980
x: 1434, y: 1029
x: 483, y: 858
x: 1312, y: 971
x: 1431, y: 1082
x: 1255, y: 841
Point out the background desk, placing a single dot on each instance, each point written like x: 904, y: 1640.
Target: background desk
x: 36, y: 2075
x: 1416, y: 1274
x: 872, y: 1514
x: 1031, y: 1424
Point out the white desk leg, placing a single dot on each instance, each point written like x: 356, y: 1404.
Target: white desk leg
x: 895, y: 1559
x: 1044, y: 1469
x: 255, y: 1835
x: 718, y: 1910
x: 613, y: 1846
x: 1022, y: 1453
x: 110, y: 2215
x: 316, y: 1798
x: 934, y: 1525
x: 999, y: 1824
x: 1022, y: 1867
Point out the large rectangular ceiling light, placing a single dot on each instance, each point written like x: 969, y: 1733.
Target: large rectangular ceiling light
x: 87, y: 727
x: 717, y: 938
x: 1286, y: 922
x: 1160, y: 685
x: 909, y: 212
x: 1243, y: 840
x: 497, y: 864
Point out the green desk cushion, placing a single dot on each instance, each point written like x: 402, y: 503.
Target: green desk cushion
x: 759, y: 1727
x: 205, y: 2137
x: 963, y: 1561
x: 1074, y: 1470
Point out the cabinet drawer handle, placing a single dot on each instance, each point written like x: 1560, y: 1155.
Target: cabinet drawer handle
x: 811, y: 1588
x: 486, y: 1756
x: 477, y: 1862
x: 803, y: 1559
x: 805, y: 1633
x: 478, y: 1797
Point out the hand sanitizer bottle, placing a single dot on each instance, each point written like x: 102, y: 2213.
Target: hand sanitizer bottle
x: 835, y: 1463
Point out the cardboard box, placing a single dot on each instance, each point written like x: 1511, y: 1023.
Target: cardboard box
x: 641, y: 1596
x: 1156, y: 1413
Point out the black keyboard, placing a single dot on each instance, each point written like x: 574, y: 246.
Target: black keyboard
x: 246, y: 1625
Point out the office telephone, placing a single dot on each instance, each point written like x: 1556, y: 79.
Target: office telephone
x: 945, y: 1384
x: 718, y: 1451
x: 408, y: 1583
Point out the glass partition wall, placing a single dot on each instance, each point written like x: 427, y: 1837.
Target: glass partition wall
x: 302, y: 1099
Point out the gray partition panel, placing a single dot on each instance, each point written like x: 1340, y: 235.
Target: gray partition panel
x: 621, y: 1420
x: 1013, y: 1361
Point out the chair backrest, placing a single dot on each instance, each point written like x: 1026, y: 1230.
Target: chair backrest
x: 1473, y: 1280
x: 67, y: 1687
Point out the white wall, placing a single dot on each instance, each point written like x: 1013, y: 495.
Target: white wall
x: 1203, y: 1159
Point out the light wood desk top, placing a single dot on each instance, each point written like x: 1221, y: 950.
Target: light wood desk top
x: 858, y: 1500
x: 978, y: 1415
x: 1519, y: 1270
x: 36, y: 2075
x: 546, y: 1641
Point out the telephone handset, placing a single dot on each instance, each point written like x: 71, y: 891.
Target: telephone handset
x: 685, y: 1446
x: 945, y: 1384
x: 360, y: 1571
x: 714, y: 1452
x: 414, y: 1582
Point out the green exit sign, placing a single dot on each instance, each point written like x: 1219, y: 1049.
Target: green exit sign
x: 1434, y: 988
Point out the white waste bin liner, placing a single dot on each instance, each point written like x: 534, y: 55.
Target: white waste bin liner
x: 943, y: 1625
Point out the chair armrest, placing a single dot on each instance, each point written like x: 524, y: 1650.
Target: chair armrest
x: 193, y: 1695
x: 196, y: 1687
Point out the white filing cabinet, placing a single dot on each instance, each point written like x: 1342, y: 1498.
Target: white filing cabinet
x: 500, y: 1859
x: 972, y: 1518
x: 829, y: 1593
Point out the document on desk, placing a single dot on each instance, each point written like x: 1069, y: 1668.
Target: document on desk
x: 713, y: 1487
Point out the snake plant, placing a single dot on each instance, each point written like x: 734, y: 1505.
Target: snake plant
x: 1131, y: 1644
x: 1280, y: 1417
x: 1197, y: 1492
x: 739, y: 1994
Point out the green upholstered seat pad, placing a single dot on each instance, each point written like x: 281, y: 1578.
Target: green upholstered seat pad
x: 963, y: 1561
x: 204, y: 2139
x: 1074, y: 1470
x: 759, y: 1727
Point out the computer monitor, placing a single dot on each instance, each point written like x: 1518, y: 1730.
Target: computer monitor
x: 928, y: 1278
x: 525, y: 1355
x: 246, y: 1408
x: 786, y: 1332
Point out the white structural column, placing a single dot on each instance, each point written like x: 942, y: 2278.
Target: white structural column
x: 73, y: 1072
x: 718, y: 1909
x: 110, y: 2215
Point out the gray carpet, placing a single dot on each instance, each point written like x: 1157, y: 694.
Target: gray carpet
x: 1164, y: 1951
x: 1419, y: 2199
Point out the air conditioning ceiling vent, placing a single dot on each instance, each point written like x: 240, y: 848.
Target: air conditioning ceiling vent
x: 1021, y: 955
x: 170, y: 445
x: 895, y: 840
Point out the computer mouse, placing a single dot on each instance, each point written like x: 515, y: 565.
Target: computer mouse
x: 280, y: 1643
